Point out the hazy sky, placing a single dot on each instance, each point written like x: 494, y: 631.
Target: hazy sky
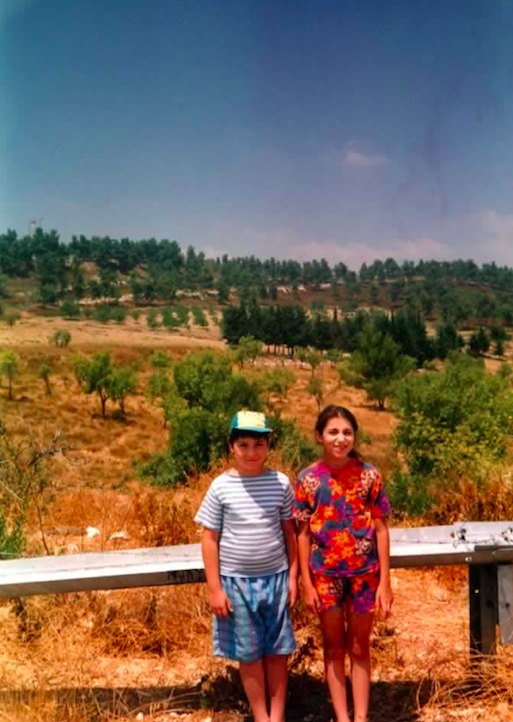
x: 349, y: 129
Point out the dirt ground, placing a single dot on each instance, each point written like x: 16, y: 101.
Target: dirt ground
x: 59, y: 663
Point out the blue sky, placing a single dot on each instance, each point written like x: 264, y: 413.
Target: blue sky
x: 344, y: 129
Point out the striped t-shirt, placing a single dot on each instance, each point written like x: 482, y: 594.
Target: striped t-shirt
x: 248, y: 511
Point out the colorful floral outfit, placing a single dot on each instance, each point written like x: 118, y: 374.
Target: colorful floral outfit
x: 340, y: 505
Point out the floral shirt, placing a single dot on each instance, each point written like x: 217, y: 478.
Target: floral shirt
x: 340, y: 506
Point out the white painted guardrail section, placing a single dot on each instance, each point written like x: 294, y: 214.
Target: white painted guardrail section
x: 486, y: 547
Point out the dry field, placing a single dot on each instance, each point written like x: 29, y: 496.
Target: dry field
x: 145, y: 654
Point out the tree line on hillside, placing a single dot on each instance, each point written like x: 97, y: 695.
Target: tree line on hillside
x: 155, y: 269
x: 291, y: 327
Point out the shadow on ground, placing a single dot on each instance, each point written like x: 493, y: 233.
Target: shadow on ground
x: 308, y: 700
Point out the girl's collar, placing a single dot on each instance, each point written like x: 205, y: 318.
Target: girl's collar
x: 337, y: 469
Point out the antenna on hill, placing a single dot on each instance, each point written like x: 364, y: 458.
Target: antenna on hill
x: 34, y: 225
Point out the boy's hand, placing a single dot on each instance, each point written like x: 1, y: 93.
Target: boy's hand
x: 311, y: 598
x: 384, y: 599
x: 220, y: 603
x: 292, y: 595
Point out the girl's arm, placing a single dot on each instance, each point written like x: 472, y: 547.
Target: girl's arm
x: 289, y: 532
x: 303, y: 547
x: 218, y: 598
x: 384, y: 596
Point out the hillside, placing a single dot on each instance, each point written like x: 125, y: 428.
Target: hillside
x: 120, y: 655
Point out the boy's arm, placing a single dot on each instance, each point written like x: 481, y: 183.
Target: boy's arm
x: 303, y: 546
x: 218, y: 599
x: 289, y: 532
x: 384, y: 596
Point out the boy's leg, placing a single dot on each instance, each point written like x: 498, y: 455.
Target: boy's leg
x: 253, y: 680
x: 276, y: 673
x: 358, y: 646
x: 333, y: 630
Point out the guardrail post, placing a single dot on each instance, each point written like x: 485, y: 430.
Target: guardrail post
x: 505, y: 589
x: 483, y: 604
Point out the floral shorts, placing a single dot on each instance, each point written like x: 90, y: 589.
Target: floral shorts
x: 358, y: 592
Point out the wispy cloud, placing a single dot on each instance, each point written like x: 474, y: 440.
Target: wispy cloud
x: 355, y: 158
x: 498, y: 228
x: 288, y: 243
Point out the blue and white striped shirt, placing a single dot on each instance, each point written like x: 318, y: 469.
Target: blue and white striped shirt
x: 248, y: 511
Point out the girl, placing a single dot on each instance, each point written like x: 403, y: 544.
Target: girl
x: 344, y: 556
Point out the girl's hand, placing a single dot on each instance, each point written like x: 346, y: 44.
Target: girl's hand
x: 311, y: 598
x: 220, y: 603
x: 384, y: 599
x: 292, y: 595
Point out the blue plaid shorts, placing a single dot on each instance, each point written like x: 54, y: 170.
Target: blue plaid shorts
x: 260, y: 622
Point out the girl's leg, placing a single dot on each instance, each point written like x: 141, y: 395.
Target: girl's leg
x: 276, y: 677
x: 358, y: 646
x: 333, y: 630
x: 253, y: 681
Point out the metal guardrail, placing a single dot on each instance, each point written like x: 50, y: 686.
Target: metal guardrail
x: 486, y: 547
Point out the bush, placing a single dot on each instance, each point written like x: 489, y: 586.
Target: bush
x: 295, y: 449
x: 118, y: 314
x: 161, y: 360
x: 61, y: 338
x: 70, y: 309
x: 169, y: 320
x: 11, y: 317
x: 152, y: 319
x: 452, y: 425
x: 102, y: 314
x: 199, y: 317
x: 199, y: 439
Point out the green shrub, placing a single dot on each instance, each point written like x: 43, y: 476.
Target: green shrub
x: 70, y: 309
x: 453, y: 425
x: 102, y: 314
x: 152, y: 319
x: 169, y: 320
x: 118, y: 314
x: 199, y: 316
x: 295, y: 449
x: 161, y: 360
x: 11, y: 317
x: 61, y: 338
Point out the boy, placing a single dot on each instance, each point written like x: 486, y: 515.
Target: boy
x: 249, y: 551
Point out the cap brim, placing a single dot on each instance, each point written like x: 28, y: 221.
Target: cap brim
x: 256, y: 429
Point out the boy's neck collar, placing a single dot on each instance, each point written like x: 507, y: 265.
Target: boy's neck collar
x: 235, y: 472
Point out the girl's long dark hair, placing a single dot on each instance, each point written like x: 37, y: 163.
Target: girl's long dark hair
x: 337, y: 412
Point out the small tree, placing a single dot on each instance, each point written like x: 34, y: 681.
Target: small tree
x: 248, y: 349
x: 9, y: 367
x: 45, y: 370
x: 376, y: 366
x: 274, y: 385
x: 315, y: 387
x: 479, y: 342
x: 23, y: 483
x: 122, y: 382
x: 96, y: 377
